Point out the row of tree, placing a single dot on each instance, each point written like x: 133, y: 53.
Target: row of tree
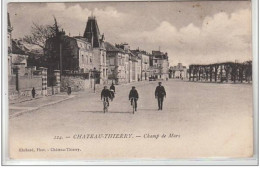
x: 221, y: 72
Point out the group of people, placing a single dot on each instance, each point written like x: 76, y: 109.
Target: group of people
x: 160, y: 94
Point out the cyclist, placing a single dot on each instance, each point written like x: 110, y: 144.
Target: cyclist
x: 112, y: 87
x: 112, y: 92
x: 133, y: 96
x: 105, y: 94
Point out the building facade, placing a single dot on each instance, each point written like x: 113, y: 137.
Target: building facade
x: 179, y: 71
x: 79, y: 54
x: 159, y: 65
x: 70, y: 55
x: 143, y: 65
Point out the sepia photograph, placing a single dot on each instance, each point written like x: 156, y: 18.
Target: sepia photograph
x: 129, y: 81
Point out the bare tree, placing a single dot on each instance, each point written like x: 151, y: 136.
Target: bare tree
x: 40, y: 33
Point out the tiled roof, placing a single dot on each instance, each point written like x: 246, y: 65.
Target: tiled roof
x: 17, y: 49
x: 92, y: 32
x: 112, y: 48
x: 81, y: 38
x: 135, y: 52
x: 154, y: 52
x: 18, y: 59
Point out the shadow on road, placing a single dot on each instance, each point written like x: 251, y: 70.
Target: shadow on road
x: 112, y: 112
x: 154, y: 109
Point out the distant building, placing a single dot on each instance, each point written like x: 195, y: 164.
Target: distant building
x: 143, y: 62
x: 122, y: 63
x: 178, y: 71
x: 159, y: 65
x: 130, y: 62
x: 133, y: 62
x: 116, y: 63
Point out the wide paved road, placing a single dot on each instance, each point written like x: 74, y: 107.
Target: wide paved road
x: 207, y: 120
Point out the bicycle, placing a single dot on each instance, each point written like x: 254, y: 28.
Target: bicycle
x: 105, y: 104
x: 132, y: 101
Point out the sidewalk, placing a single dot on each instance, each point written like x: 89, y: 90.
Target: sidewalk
x: 17, y: 109
x: 29, y: 104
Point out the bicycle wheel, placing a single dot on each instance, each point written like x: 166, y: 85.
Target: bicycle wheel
x: 133, y: 104
x: 104, y: 108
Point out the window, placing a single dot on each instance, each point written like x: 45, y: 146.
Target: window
x: 112, y: 61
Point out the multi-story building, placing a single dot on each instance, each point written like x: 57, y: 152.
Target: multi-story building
x: 122, y: 63
x: 143, y: 60
x: 78, y: 54
x: 133, y: 76
x: 159, y: 65
x: 116, y: 58
x: 128, y: 61
x: 137, y: 65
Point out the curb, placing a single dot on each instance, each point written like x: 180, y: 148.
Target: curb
x: 36, y: 108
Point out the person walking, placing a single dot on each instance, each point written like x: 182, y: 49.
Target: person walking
x: 69, y: 90
x: 33, y: 92
x: 160, y: 93
x: 133, y: 97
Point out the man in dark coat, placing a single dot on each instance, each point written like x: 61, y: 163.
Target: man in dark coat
x: 159, y: 95
x: 105, y: 94
x: 133, y: 96
x: 33, y: 92
x: 112, y: 87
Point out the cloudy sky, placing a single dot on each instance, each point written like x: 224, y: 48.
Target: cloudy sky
x: 191, y: 32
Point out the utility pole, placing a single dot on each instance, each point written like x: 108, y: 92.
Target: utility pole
x: 60, y: 58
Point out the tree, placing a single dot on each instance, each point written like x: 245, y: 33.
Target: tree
x: 227, y: 68
x: 234, y: 68
x: 216, y: 66
x: 206, y: 69
x: 40, y: 33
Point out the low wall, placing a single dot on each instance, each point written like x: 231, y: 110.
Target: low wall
x: 77, y: 83
x: 13, y: 94
x: 21, y: 89
x: 29, y: 83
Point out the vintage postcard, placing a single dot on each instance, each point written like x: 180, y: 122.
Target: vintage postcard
x: 129, y: 81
